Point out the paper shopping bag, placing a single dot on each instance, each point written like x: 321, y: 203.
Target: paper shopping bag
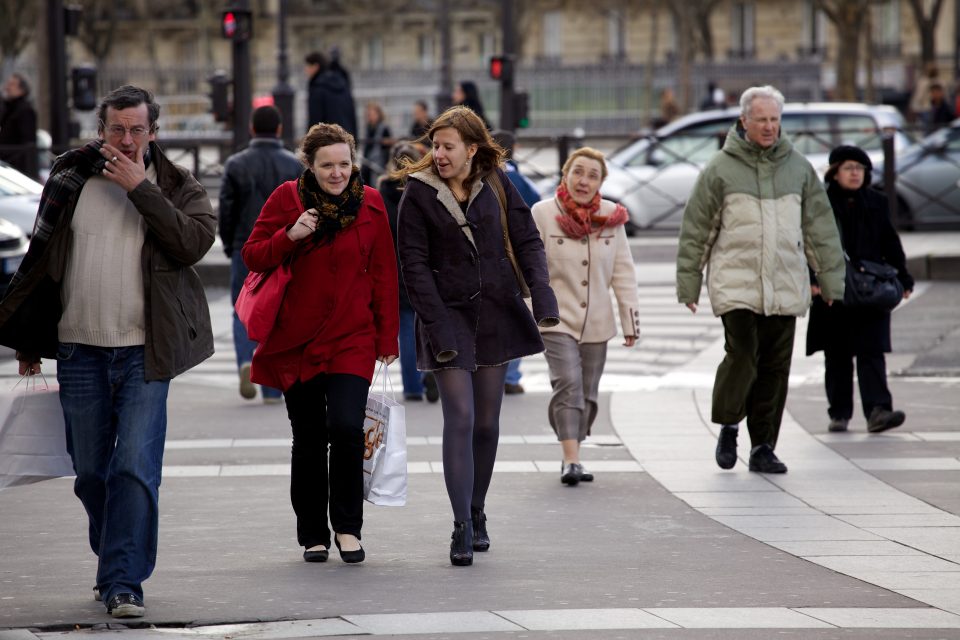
x: 385, y: 452
x: 33, y: 441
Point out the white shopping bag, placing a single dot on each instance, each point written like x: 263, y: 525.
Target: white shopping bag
x: 385, y: 449
x: 33, y: 441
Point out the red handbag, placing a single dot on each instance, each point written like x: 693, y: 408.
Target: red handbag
x: 262, y: 293
x: 259, y: 301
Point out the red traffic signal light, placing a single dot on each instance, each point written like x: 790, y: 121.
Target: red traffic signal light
x: 501, y: 68
x: 496, y: 67
x: 236, y: 24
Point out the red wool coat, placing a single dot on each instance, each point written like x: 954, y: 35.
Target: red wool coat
x: 340, y: 311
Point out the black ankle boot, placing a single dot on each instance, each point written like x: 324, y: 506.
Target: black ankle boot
x: 461, y: 545
x: 481, y: 539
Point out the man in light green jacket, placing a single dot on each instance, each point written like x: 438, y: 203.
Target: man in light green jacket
x: 758, y: 216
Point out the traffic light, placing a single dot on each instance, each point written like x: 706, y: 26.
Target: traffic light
x: 237, y: 24
x: 521, y: 109
x: 83, y: 82
x: 219, y: 96
x: 71, y: 19
x: 501, y: 68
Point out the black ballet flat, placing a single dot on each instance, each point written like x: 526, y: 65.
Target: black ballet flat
x: 316, y: 556
x: 350, y: 557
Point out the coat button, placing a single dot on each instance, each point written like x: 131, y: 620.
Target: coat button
x: 559, y: 240
x: 584, y: 263
x: 584, y: 282
x: 583, y: 305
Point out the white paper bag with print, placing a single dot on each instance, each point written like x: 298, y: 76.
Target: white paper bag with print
x: 33, y: 441
x: 385, y: 449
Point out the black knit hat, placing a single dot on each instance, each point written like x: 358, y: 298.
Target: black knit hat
x: 848, y: 152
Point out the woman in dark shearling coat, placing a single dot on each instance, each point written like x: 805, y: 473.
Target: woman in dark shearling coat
x: 471, y: 316
x: 845, y: 333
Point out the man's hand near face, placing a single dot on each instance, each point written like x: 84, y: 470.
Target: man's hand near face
x: 122, y: 170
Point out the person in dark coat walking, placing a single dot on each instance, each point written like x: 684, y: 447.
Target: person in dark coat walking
x: 249, y: 177
x: 467, y: 94
x: 471, y: 316
x: 844, y: 333
x: 18, y: 126
x: 328, y: 94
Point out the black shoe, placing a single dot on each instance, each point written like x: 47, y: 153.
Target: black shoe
x: 585, y: 476
x: 316, y: 556
x: 461, y: 545
x: 481, y: 539
x: 571, y: 474
x: 764, y: 460
x: 837, y: 425
x: 512, y: 389
x: 430, y: 386
x: 882, y: 419
x: 350, y: 557
x: 126, y: 605
x: 727, y: 447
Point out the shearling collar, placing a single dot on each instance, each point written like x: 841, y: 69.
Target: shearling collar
x: 447, y: 199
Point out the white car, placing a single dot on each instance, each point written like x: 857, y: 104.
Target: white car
x: 13, y: 246
x: 653, y: 176
x: 19, y: 198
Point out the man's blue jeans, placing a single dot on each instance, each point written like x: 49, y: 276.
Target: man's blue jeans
x: 243, y: 345
x: 116, y: 423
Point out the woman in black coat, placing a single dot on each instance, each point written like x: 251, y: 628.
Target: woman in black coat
x: 845, y: 333
x: 471, y: 316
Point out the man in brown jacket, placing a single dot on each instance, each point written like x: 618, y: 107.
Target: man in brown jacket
x: 112, y: 209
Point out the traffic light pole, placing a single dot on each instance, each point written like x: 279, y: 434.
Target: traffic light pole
x: 242, y: 85
x: 57, y: 73
x: 507, y: 91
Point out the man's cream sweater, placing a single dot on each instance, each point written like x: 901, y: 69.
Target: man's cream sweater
x: 102, y: 292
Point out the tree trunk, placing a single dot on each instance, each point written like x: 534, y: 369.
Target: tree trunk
x: 846, y: 16
x: 927, y: 27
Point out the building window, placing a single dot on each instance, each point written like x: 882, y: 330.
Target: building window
x: 425, y: 43
x: 375, y: 53
x: 886, y: 28
x: 553, y: 35
x: 814, y: 24
x: 487, y: 46
x: 616, y: 35
x: 742, y: 26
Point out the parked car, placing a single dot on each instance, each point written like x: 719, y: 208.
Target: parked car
x: 19, y: 198
x: 928, y: 180
x: 13, y: 246
x: 653, y: 176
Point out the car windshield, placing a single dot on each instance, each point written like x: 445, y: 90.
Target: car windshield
x: 14, y: 183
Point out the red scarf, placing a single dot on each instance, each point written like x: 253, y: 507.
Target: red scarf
x: 579, y: 221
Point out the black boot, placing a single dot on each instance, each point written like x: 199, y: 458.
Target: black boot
x: 481, y: 539
x: 461, y: 545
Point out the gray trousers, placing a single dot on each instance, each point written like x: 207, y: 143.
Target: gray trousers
x: 575, y: 370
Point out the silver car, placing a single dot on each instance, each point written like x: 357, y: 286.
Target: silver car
x: 653, y: 177
x: 13, y: 246
x: 19, y: 198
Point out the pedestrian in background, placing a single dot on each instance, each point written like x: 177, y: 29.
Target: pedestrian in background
x: 107, y: 288
x: 467, y: 94
x: 391, y: 189
x: 18, y: 126
x: 758, y: 215
x: 421, y: 120
x: 376, y: 144
x: 471, y: 317
x: 249, y: 177
x: 328, y: 94
x: 842, y: 332
x: 587, y: 255
x: 939, y: 112
x: 528, y: 192
x: 669, y: 109
x: 337, y: 318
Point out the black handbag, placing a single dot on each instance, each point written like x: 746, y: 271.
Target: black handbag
x: 871, y: 284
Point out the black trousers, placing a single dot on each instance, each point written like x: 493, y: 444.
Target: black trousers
x: 871, y: 376
x: 327, y: 410
x: 752, y: 379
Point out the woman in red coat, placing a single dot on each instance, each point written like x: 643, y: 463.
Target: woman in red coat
x: 338, y: 317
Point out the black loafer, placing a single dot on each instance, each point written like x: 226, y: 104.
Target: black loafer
x: 571, y: 474
x: 726, y: 454
x: 764, y: 460
x: 316, y: 556
x: 882, y: 419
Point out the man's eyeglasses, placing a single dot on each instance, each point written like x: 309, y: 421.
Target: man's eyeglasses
x: 118, y: 131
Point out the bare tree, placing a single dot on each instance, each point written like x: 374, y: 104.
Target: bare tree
x: 926, y: 25
x: 702, y: 9
x: 847, y: 19
x: 16, y: 29
x: 98, y: 26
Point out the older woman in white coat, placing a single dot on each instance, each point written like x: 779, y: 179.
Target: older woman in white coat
x: 587, y: 255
